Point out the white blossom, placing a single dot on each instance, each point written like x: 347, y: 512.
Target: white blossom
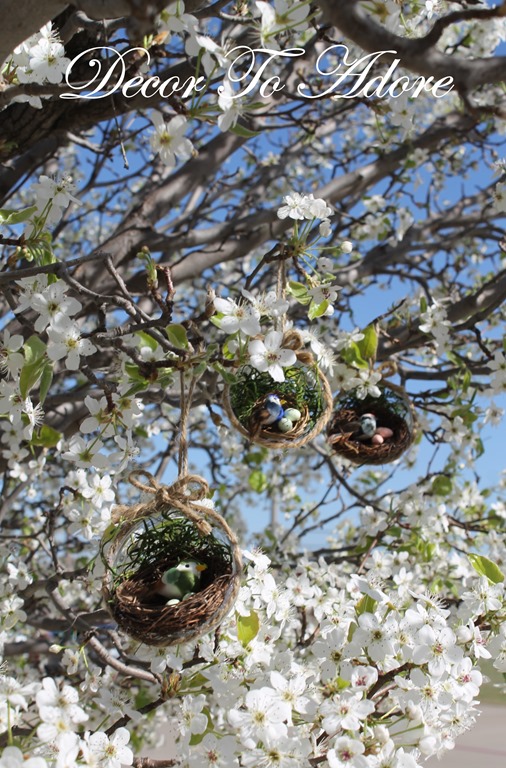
x: 169, y: 139
x: 269, y: 356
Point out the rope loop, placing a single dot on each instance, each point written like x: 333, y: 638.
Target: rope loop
x: 185, y: 495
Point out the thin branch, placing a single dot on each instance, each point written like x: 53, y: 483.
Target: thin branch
x: 55, y: 269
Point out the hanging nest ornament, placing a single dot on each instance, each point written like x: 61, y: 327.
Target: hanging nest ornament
x: 148, y: 539
x: 304, y: 396
x: 395, y: 422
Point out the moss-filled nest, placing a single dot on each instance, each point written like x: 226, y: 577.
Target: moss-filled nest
x: 305, y: 389
x: 392, y: 410
x: 157, y: 537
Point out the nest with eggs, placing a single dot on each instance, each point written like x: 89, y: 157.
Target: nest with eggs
x: 393, y: 412
x: 305, y: 391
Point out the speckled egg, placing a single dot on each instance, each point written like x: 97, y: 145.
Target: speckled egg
x: 293, y: 414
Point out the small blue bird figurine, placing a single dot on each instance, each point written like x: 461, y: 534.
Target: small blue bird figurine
x: 267, y: 413
x: 363, y: 429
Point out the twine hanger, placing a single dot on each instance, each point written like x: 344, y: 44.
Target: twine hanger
x: 279, y: 323
x: 186, y: 493
x: 186, y: 401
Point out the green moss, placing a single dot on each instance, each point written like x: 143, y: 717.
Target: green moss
x: 166, y: 540
x: 302, y: 387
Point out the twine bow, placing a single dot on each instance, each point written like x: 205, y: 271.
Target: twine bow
x: 183, y: 495
x: 293, y: 340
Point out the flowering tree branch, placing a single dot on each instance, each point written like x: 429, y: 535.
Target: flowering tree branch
x: 417, y: 55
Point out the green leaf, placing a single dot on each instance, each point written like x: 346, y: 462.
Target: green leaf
x: 196, y: 738
x: 479, y: 448
x: 423, y: 305
x: 426, y: 549
x: 352, y: 356
x: 16, y: 217
x: 442, y: 486
x: 47, y: 437
x: 467, y: 415
x: 147, y: 340
x: 45, y: 381
x: 247, y: 628
x: 245, y: 133
x: 466, y: 380
x: 317, y: 310
x: 146, y: 257
x: 227, y: 353
x: 254, y: 458
x: 200, y: 369
x: 135, y: 375
x: 368, y: 346
x: 30, y: 375
x: 299, y: 292
x: 34, y: 348
x: 177, y: 336
x: 166, y: 379
x: 486, y: 567
x: 365, y: 605
x: 227, y: 376
x: 258, y: 481
x: 140, y: 386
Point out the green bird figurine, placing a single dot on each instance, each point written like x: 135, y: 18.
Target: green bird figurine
x: 180, y: 580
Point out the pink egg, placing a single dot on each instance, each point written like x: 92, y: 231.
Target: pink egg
x: 384, y: 432
x: 376, y: 439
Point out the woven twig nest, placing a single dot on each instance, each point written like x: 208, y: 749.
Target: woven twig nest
x: 148, y: 539
x: 392, y: 410
x: 305, y: 389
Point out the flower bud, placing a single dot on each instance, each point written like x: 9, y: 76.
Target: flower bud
x: 464, y: 634
x: 381, y: 734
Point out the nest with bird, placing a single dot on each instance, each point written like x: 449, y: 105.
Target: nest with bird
x: 395, y: 426
x: 150, y: 538
x: 303, y: 400
x: 304, y: 396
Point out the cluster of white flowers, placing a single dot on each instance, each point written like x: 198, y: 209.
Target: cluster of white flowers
x: 21, y: 413
x: 114, y: 418
x: 433, y: 6
x: 282, y: 16
x: 435, y: 322
x: 307, y: 207
x: 497, y: 382
x: 56, y: 311
x: 40, y: 59
x: 90, y: 510
x: 62, y: 743
x: 15, y: 578
x: 244, y: 321
x: 53, y: 196
x: 387, y: 672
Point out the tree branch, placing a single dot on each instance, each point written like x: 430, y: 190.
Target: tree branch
x: 416, y: 55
